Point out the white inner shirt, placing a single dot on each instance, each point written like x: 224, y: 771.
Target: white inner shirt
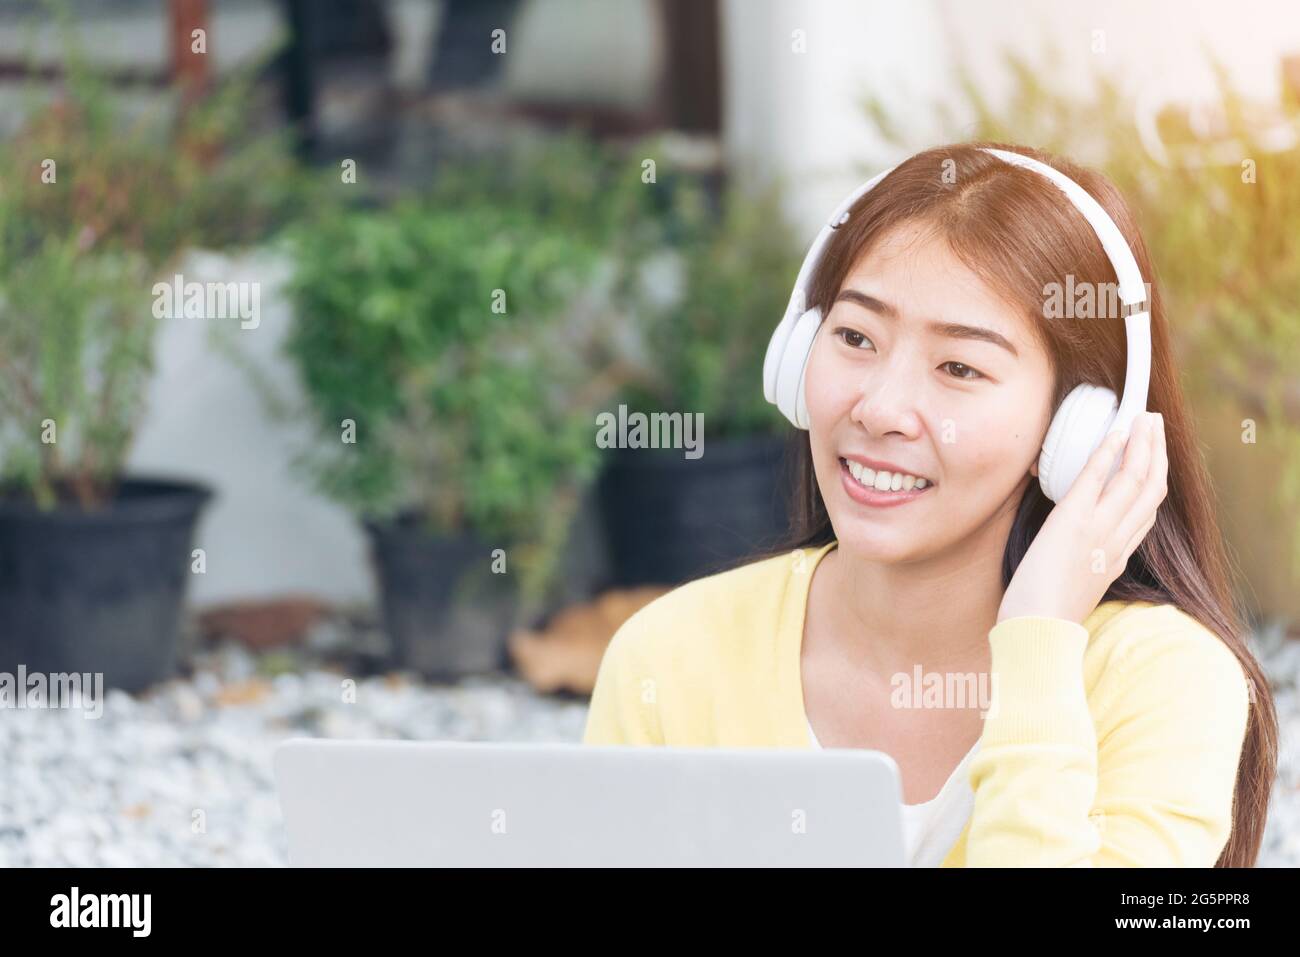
x: 930, y: 829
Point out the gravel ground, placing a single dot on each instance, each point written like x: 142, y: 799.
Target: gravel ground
x: 122, y: 790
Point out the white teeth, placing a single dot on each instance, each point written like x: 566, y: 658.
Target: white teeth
x: 884, y: 481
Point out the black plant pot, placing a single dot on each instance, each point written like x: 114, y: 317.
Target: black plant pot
x: 445, y: 611
x: 98, y: 591
x: 669, y: 519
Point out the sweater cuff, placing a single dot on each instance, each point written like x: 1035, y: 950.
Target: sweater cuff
x: 1037, y: 673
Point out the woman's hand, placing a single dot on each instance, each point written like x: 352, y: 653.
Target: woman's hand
x: 1086, y: 540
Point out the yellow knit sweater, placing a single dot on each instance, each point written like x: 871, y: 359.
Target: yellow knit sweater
x: 1111, y: 743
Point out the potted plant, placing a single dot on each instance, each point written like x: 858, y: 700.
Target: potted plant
x: 94, y: 562
x: 453, y: 356
x: 670, y: 516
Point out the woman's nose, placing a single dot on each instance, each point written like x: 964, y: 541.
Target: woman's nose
x: 889, y: 397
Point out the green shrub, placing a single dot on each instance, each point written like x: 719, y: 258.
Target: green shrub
x: 702, y: 347
x: 481, y: 420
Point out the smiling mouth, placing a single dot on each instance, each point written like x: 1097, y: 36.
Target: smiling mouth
x: 883, y: 481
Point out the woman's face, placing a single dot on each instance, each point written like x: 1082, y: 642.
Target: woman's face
x: 894, y: 380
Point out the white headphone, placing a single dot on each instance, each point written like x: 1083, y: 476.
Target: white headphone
x: 1087, y: 414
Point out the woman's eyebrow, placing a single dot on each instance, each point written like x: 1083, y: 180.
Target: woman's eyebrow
x: 952, y: 330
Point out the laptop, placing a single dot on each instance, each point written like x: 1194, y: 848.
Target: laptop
x: 461, y: 804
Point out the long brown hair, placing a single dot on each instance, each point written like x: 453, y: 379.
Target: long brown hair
x: 1019, y: 233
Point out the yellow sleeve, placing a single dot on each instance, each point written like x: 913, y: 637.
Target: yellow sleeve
x: 1149, y: 785
x: 624, y: 701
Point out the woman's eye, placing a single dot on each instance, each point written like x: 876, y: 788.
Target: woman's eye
x: 963, y: 369
x: 851, y: 336
x: 855, y: 339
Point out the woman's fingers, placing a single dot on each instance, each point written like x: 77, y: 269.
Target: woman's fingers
x: 1122, y: 490
x: 1093, y: 477
x: 1134, y: 525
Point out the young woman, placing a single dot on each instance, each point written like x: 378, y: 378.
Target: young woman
x: 1125, y: 720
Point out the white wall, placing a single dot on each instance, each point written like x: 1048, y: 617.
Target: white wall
x: 604, y: 52
x: 796, y: 116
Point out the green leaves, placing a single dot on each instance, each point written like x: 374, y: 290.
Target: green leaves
x: 439, y: 330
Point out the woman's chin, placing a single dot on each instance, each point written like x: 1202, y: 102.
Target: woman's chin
x: 863, y: 540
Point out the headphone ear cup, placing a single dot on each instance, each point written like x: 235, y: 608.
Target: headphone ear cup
x: 790, y: 372
x: 775, y: 349
x: 1079, y: 426
x: 801, y: 408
